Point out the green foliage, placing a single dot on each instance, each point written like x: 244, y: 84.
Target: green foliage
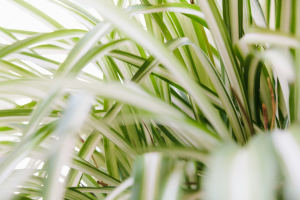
x: 198, y: 100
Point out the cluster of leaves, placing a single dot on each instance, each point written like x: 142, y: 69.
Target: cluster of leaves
x: 198, y: 100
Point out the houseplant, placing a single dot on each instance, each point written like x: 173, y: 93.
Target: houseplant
x: 198, y: 100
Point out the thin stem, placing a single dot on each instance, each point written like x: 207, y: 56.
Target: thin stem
x: 273, y: 103
x: 102, y: 183
x: 265, y: 116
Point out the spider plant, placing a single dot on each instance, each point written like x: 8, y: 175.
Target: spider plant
x: 196, y: 100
